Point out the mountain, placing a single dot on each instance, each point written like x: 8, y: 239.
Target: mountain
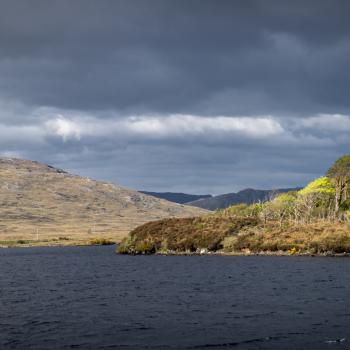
x: 247, y: 196
x: 40, y: 202
x: 180, y: 198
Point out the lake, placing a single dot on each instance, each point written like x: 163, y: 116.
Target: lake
x: 91, y: 298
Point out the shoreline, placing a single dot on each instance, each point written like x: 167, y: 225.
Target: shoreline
x: 267, y: 254
x: 208, y: 253
x: 53, y: 244
x: 247, y: 254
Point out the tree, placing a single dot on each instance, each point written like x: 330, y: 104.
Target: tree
x: 319, y: 185
x: 339, y: 172
x: 280, y: 208
x: 317, y: 198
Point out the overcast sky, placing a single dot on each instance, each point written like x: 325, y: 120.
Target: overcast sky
x: 177, y: 95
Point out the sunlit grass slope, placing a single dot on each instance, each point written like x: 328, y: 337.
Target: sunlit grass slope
x: 45, y: 205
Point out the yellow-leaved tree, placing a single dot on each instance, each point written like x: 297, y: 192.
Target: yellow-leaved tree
x: 317, y: 198
x: 339, y: 172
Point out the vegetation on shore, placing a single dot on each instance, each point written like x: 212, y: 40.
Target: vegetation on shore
x: 101, y: 241
x: 179, y: 235
x: 57, y: 241
x: 313, y: 220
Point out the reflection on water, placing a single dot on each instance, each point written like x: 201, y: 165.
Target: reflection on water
x: 91, y: 298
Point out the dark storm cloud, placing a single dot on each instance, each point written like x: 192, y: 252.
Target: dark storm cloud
x: 175, y: 56
x: 191, y: 95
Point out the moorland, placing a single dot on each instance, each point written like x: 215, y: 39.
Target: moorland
x: 312, y: 220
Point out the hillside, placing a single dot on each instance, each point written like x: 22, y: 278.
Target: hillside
x: 230, y: 234
x: 181, y: 198
x: 183, y: 235
x: 247, y: 196
x: 313, y: 220
x: 40, y: 202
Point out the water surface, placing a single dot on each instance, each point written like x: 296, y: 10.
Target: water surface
x: 91, y: 298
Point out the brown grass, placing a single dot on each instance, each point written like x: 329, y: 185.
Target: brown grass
x: 181, y: 235
x: 313, y: 238
x: 40, y: 204
x: 101, y: 241
x: 237, y: 235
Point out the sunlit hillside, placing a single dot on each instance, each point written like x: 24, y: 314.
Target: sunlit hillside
x: 42, y: 203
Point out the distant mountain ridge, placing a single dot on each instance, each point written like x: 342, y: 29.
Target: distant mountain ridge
x: 177, y: 197
x: 248, y: 196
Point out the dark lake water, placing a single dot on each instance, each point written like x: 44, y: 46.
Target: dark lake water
x: 91, y: 298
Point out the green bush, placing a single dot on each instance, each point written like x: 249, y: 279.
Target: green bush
x: 63, y: 238
x: 144, y: 248
x: 122, y: 249
x: 22, y: 241
x: 101, y: 241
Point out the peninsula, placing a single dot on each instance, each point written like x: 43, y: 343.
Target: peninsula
x: 313, y: 220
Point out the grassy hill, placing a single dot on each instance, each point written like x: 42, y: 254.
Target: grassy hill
x: 44, y: 205
x: 183, y: 235
x: 230, y: 234
x: 305, y: 222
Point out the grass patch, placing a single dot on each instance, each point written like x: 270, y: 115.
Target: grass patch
x: 12, y: 243
x: 313, y: 238
x: 101, y: 241
x: 183, y: 235
x: 232, y: 234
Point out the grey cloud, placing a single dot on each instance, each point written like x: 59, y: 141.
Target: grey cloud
x: 214, y: 160
x: 101, y: 62
x: 176, y: 56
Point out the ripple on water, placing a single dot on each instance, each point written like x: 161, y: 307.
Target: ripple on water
x: 55, y: 298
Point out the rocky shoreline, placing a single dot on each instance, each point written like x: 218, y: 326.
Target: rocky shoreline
x: 205, y: 252
x: 202, y: 252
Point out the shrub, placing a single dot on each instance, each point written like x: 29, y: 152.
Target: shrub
x: 101, y: 241
x: 22, y: 241
x: 242, y: 210
x: 63, y: 238
x: 144, y: 248
x: 122, y: 248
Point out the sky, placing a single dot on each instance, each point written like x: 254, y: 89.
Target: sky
x: 197, y: 96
